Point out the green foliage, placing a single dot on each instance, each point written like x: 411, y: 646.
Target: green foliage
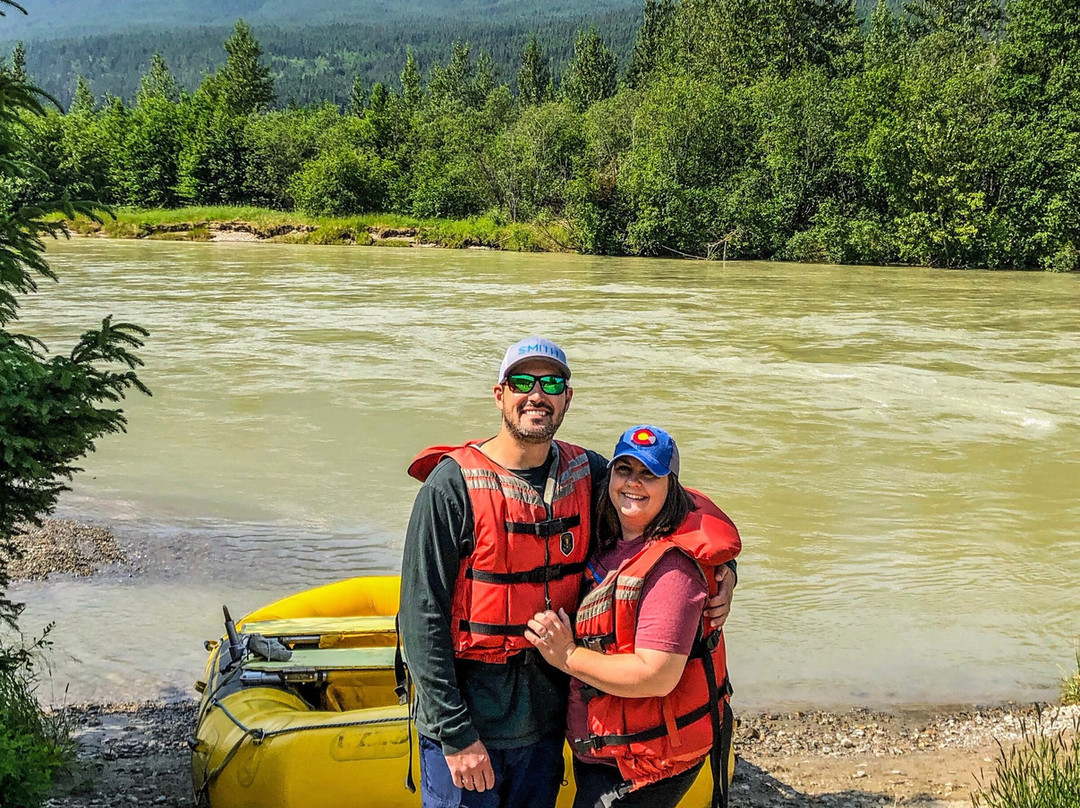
x: 317, y: 64
x: 744, y: 129
x: 1041, y: 771
x: 411, y: 90
x: 34, y: 745
x: 18, y: 63
x: 1070, y: 685
x: 653, y: 41
x: 245, y: 84
x: 531, y: 163
x: 51, y: 410
x: 534, y: 82
x: 83, y: 103
x: 460, y: 80
x: 592, y: 74
x: 342, y: 182
x: 158, y: 82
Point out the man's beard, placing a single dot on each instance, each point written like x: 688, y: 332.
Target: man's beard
x: 542, y: 434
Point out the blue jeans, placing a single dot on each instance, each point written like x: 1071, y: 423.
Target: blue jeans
x: 526, y: 777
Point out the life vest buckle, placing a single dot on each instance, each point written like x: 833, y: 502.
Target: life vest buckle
x: 584, y: 746
x: 711, y: 642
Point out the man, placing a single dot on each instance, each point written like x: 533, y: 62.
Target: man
x: 499, y: 531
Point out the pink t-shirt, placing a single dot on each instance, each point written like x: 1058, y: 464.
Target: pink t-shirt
x: 669, y: 614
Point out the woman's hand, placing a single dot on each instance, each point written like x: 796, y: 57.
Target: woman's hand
x: 552, y: 636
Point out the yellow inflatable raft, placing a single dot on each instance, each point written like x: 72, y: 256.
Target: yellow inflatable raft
x: 322, y: 729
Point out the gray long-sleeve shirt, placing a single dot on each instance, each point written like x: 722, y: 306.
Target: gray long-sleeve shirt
x: 461, y: 701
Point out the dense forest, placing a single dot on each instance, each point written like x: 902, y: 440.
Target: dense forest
x: 313, y: 48
x: 946, y: 135
x: 310, y: 64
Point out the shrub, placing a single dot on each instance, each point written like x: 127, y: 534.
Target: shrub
x: 341, y: 182
x: 34, y: 744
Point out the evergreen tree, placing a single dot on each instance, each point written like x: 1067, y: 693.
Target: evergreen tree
x: 592, y: 74
x: 411, y: 90
x: 245, y: 84
x: 972, y: 21
x: 652, y: 40
x: 457, y: 80
x: 83, y: 102
x: 486, y: 79
x: 741, y: 39
x: 52, y: 411
x: 885, y: 40
x: 534, y: 77
x: 158, y: 82
x: 18, y: 63
x: 358, y: 97
x: 1039, y: 86
x: 380, y: 99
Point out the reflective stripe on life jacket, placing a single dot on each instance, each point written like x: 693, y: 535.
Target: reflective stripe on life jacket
x: 653, y: 738
x: 529, y: 550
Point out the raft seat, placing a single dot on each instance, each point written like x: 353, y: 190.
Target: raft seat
x: 286, y: 629
x: 330, y: 659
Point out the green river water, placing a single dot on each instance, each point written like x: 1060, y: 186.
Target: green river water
x: 900, y: 448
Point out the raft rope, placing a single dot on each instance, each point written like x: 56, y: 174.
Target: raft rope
x: 259, y: 736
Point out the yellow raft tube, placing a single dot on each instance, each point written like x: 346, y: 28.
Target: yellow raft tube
x: 323, y: 729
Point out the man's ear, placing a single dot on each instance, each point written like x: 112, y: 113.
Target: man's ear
x: 498, y: 391
x: 569, y: 396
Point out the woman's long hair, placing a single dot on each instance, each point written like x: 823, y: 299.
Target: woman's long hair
x: 608, y: 529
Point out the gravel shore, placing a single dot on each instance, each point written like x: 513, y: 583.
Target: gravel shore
x: 136, y: 754
x: 64, y: 546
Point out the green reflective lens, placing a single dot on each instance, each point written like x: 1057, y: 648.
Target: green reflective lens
x: 523, y: 383
x: 552, y: 385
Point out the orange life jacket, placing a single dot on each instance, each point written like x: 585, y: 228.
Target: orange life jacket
x: 652, y: 738
x: 529, y: 552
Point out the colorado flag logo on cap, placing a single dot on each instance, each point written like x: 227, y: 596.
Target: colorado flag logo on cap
x: 644, y: 437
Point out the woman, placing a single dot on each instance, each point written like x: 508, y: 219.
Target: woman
x: 648, y: 697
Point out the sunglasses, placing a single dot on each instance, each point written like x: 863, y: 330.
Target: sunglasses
x: 524, y: 383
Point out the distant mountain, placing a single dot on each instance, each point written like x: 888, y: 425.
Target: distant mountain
x: 50, y: 19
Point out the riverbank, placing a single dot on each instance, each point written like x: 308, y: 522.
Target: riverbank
x: 371, y: 230
x: 137, y: 754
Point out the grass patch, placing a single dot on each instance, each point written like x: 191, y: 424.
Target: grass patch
x: 390, y: 229
x: 1041, y: 771
x: 1070, y: 685
x: 35, y: 745
x: 199, y: 232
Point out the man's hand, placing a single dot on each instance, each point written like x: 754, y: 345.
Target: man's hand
x: 718, y: 607
x: 471, y: 768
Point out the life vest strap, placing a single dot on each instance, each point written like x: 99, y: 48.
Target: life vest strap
x: 596, y: 742
x: 494, y: 629
x: 545, y: 529
x: 540, y: 575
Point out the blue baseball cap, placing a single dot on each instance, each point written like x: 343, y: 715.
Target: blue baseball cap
x: 533, y: 348
x: 652, y: 446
